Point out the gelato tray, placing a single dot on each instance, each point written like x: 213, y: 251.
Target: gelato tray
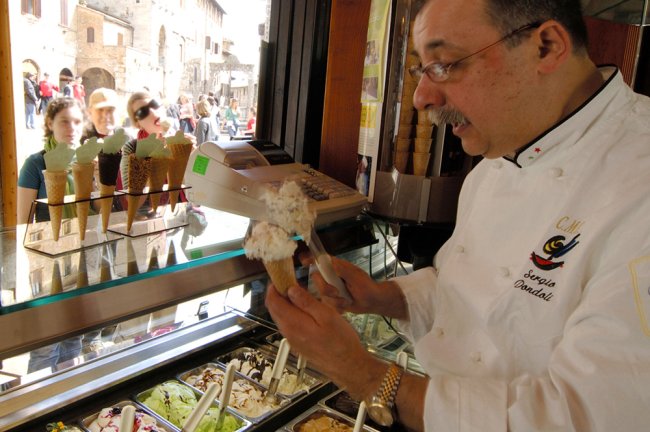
x: 246, y: 396
x: 108, y: 420
x: 257, y: 364
x: 68, y: 426
x: 173, y: 401
x: 321, y: 419
x: 341, y: 402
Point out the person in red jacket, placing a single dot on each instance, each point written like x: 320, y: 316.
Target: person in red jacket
x: 79, y: 91
x: 47, y: 91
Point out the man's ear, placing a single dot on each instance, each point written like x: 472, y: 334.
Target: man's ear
x: 554, y: 46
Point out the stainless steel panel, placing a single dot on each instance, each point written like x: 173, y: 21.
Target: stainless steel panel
x: 60, y: 390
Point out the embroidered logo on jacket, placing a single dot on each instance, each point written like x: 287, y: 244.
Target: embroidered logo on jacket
x: 554, y: 248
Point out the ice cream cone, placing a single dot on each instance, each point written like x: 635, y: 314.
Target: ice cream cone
x: 409, y: 88
x: 400, y: 160
x: 157, y: 179
x: 57, y: 283
x: 171, y: 255
x: 420, y: 163
x: 406, y: 113
x: 109, y: 165
x: 282, y: 273
x: 105, y: 265
x: 423, y: 145
x: 82, y: 271
x: 176, y: 169
x: 403, y: 144
x: 423, y: 131
x: 139, y: 170
x: 424, y: 118
x: 404, y: 131
x: 55, y: 182
x: 133, y: 206
x: 106, y: 204
x: 82, y: 175
x: 131, y: 259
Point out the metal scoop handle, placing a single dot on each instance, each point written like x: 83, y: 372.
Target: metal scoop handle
x: 324, y: 265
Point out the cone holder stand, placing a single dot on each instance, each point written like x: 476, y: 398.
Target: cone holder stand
x: 39, y: 235
x: 148, y: 221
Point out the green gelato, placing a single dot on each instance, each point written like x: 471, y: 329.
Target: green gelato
x: 59, y: 158
x: 114, y: 143
x: 149, y: 145
x: 88, y: 151
x: 174, y: 401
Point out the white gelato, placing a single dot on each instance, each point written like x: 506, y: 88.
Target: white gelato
x: 256, y: 366
x: 288, y: 207
x: 269, y: 242
x: 244, y: 397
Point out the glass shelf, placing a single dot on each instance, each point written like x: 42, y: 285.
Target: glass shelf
x: 31, y: 278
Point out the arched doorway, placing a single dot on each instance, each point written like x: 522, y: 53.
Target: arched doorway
x: 65, y: 76
x: 95, y: 78
x: 30, y: 65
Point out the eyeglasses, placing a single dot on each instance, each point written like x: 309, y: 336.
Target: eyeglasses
x: 439, y: 72
x: 144, y: 111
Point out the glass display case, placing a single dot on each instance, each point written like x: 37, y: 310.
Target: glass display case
x: 92, y: 328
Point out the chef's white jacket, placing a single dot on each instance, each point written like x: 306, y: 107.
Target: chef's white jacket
x: 536, y: 314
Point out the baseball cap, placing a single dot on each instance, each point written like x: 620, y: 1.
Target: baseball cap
x: 102, y: 98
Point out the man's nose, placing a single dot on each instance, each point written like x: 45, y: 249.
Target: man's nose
x: 428, y: 94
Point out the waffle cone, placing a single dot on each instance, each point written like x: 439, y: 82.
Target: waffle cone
x: 131, y: 259
x: 157, y: 179
x: 282, y: 273
x: 106, y: 204
x: 420, y: 163
x: 423, y: 145
x: 401, y: 160
x: 176, y: 170
x: 56, y: 285
x: 133, y: 205
x: 139, y: 170
x: 82, y: 175
x: 82, y: 271
x: 55, y: 182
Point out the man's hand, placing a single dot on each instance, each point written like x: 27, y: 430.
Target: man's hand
x: 367, y: 295
x: 325, y: 339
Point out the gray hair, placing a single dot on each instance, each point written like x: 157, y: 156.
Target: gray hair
x: 508, y: 15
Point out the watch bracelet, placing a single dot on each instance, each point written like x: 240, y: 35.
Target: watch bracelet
x: 388, y: 389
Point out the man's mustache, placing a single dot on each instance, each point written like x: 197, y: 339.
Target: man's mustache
x: 441, y: 116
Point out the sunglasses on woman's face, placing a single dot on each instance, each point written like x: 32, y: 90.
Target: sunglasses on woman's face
x: 144, y: 111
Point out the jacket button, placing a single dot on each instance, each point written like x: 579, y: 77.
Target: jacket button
x: 438, y: 331
x: 497, y: 164
x: 504, y: 271
x: 460, y: 249
x: 476, y: 357
x: 555, y: 172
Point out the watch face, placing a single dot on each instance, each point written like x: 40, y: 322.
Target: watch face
x: 380, y: 413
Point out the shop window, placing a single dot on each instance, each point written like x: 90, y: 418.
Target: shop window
x: 120, y: 39
x: 208, y: 42
x: 90, y: 35
x: 216, y: 48
x: 31, y: 7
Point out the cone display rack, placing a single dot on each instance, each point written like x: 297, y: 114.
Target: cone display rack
x: 39, y: 236
x: 147, y: 220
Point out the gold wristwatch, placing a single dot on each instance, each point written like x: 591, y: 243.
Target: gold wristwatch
x: 381, y: 407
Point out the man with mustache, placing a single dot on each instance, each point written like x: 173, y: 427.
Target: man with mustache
x: 535, y: 314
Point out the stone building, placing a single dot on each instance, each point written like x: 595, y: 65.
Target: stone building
x: 167, y: 46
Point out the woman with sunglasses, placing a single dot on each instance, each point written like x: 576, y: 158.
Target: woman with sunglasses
x: 148, y: 115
